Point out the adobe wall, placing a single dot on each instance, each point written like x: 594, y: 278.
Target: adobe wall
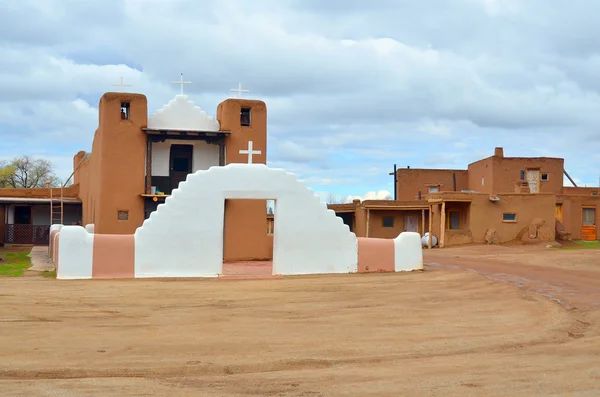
x: 376, y: 229
x: 413, y: 180
x: 481, y: 176
x: 117, y: 165
x: 507, y: 172
x: 572, y: 212
x: 309, y: 238
x: 486, y: 214
x: 81, y: 178
x: 581, y: 191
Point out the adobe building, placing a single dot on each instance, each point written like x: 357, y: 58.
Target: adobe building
x: 136, y: 162
x: 496, y: 200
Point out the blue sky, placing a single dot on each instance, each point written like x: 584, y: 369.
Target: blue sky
x: 352, y: 87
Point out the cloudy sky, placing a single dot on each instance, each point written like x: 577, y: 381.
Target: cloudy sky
x: 351, y: 86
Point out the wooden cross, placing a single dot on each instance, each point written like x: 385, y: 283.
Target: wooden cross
x: 250, y: 152
x: 181, y: 82
x: 395, y: 174
x: 122, y: 85
x: 239, y: 90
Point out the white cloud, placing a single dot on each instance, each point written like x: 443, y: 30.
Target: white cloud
x: 379, y: 195
x: 346, y: 100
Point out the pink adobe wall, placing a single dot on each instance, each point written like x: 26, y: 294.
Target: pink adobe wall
x: 114, y: 256
x: 375, y: 255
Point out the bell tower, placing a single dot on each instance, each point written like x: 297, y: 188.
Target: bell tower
x: 119, y: 152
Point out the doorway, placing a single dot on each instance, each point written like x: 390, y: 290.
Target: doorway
x: 180, y: 159
x: 533, y: 179
x: 588, y: 224
x: 247, y: 238
x: 22, y: 231
x: 411, y: 223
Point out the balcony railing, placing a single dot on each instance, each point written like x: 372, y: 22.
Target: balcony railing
x: 27, y: 234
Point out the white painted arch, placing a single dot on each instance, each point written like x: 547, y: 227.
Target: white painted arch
x: 184, y: 236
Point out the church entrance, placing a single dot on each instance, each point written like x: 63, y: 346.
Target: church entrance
x: 247, y: 238
x: 181, y: 157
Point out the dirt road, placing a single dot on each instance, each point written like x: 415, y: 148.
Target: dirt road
x: 443, y: 332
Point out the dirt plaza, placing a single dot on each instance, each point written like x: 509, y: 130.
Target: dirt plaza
x: 480, y: 320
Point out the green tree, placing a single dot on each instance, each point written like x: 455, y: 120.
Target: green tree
x: 27, y: 172
x: 6, y: 172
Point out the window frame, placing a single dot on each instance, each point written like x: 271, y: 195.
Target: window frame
x: 383, y: 223
x: 509, y: 220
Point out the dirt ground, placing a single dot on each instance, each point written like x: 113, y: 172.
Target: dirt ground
x: 479, y: 321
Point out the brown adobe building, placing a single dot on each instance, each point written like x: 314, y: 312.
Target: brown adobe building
x: 496, y: 199
x: 135, y: 163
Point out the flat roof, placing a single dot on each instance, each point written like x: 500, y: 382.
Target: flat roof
x: 29, y: 200
x: 184, y: 133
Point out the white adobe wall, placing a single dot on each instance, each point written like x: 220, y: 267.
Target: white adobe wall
x: 205, y: 155
x: 408, y: 252
x: 182, y: 114
x: 75, y: 253
x: 309, y: 239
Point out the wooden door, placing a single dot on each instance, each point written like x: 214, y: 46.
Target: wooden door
x: 411, y: 223
x: 559, y: 213
x: 533, y: 179
x: 588, y: 224
x: 180, y: 163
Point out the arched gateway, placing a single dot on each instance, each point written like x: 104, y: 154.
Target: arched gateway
x: 184, y: 236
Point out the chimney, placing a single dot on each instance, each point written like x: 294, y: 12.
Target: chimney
x: 498, y: 152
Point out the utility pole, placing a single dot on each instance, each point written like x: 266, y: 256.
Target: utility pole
x: 395, y: 174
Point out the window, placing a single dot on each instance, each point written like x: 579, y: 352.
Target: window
x: 544, y: 177
x: 124, y: 110
x: 434, y: 189
x: 454, y: 220
x: 245, y: 117
x: 388, y: 221
x: 122, y: 215
x: 522, y: 175
x: 482, y: 181
x: 588, y: 217
x: 594, y: 193
x: 509, y: 217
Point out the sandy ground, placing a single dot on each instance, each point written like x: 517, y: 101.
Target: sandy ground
x: 479, y: 321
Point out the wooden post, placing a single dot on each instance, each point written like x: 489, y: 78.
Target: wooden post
x: 442, y: 225
x: 148, y: 183
x: 222, y: 153
x: 422, y: 222
x: 368, y: 222
x: 430, y: 226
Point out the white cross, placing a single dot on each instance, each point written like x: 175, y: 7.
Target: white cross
x: 121, y: 85
x: 182, y: 83
x: 250, y: 152
x: 239, y: 90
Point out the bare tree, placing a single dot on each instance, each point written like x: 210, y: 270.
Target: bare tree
x: 27, y: 172
x: 333, y: 199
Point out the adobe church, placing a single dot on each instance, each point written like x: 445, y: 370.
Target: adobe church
x: 138, y: 160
